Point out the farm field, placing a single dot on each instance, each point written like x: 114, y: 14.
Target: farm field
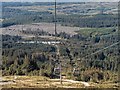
x: 49, y: 28
x: 46, y: 27
x: 88, y: 8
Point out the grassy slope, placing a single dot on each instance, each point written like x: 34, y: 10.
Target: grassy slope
x: 96, y: 31
x: 43, y: 82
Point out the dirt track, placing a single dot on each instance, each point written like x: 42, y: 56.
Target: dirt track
x: 44, y: 82
x: 41, y: 82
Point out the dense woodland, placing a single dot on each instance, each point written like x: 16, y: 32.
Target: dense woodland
x: 77, y: 54
x: 40, y: 59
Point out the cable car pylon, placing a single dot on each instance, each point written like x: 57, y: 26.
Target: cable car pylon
x: 57, y: 47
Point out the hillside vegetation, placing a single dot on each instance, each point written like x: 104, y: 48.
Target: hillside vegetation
x: 85, y: 46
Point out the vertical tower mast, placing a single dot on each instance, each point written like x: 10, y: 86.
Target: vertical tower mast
x: 58, y: 51
x: 55, y: 19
